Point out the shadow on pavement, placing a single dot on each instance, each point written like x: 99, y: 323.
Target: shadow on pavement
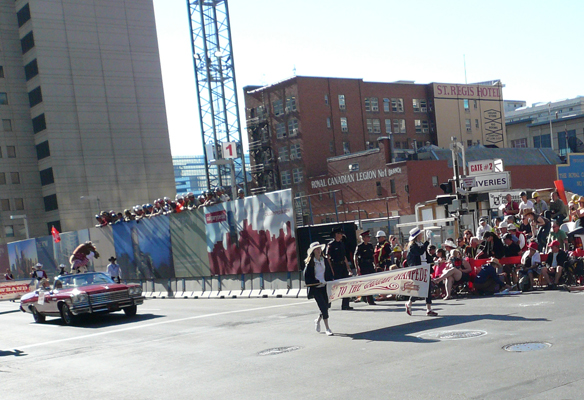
x: 104, y: 320
x: 408, y: 332
x: 15, y: 353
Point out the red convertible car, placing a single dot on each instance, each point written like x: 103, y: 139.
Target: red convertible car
x: 88, y: 293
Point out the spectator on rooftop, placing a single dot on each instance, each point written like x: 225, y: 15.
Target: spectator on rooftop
x: 240, y: 194
x: 511, y: 207
x: 128, y: 216
x: 221, y: 195
x: 539, y: 206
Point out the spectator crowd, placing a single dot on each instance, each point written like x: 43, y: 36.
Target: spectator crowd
x: 165, y: 206
x: 525, y: 249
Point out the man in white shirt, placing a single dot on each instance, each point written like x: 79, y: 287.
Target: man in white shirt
x: 483, y: 227
x: 113, y: 270
x: 531, y: 263
x: 526, y: 205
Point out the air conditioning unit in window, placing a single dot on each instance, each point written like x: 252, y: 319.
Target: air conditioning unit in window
x: 469, y: 129
x: 423, y: 109
x: 353, y: 167
x: 345, y: 129
x: 341, y: 106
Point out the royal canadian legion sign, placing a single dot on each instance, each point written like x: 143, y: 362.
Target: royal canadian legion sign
x: 354, y: 177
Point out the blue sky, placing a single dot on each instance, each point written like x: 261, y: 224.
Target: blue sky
x: 532, y: 46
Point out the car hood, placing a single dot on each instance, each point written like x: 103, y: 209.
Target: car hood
x: 101, y: 288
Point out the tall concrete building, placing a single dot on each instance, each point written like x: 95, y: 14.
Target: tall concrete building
x: 83, y: 113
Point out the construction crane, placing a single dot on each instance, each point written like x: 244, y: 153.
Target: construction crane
x: 217, y: 93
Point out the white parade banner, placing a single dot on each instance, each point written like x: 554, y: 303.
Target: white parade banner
x: 13, y: 290
x: 412, y: 281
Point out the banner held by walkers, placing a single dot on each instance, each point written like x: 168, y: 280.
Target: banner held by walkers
x: 411, y: 281
x: 13, y: 290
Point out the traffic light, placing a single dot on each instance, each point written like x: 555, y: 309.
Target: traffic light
x: 447, y: 187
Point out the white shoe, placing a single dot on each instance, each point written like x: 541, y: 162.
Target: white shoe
x: 329, y: 332
x: 317, y: 324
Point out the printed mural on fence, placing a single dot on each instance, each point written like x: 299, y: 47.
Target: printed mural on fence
x: 252, y: 235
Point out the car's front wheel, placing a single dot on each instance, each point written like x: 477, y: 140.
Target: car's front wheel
x: 66, y: 315
x: 131, y: 311
x: 38, y: 317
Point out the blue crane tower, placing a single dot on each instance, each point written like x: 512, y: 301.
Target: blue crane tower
x: 217, y: 92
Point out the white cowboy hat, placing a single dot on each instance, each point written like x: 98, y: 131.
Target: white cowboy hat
x: 380, y: 234
x: 414, y: 232
x: 450, y: 243
x: 313, y: 246
x: 503, y: 225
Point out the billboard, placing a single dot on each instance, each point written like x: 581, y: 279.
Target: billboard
x: 252, y: 235
x: 189, y: 244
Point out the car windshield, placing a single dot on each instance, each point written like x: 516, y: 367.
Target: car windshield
x: 78, y: 280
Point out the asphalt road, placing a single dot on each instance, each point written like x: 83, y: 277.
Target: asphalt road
x: 210, y: 349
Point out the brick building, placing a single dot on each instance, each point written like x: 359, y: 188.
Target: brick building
x: 295, y: 125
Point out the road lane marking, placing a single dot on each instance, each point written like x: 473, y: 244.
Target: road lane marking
x: 155, y: 324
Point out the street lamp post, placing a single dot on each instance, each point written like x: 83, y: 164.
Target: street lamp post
x: 25, y: 223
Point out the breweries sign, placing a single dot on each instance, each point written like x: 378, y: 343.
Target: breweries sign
x: 354, y: 177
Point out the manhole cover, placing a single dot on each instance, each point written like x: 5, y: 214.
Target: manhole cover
x: 452, y: 335
x: 278, y: 350
x: 530, y: 346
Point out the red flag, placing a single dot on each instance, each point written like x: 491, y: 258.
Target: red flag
x: 55, y: 233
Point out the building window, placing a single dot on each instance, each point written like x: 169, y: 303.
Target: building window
x: 11, y: 151
x: 1, y: 71
x: 286, y: 178
x: 519, y: 143
x: 392, y: 186
x: 23, y: 15
x: 419, y: 105
x: 435, y: 181
x: 3, y: 98
x: 39, y: 124
x: 386, y: 105
x: 278, y: 107
x: 2, y: 178
x: 399, y: 126
x: 342, y: 105
x: 19, y: 204
x: 475, y: 104
x: 344, y: 126
x: 292, y: 127
x: 469, y: 143
x: 326, y: 99
x: 9, y: 231
x: 387, y: 126
x: 425, y: 127
x: 5, y: 204
x: 47, y: 177
x: 418, y: 125
x: 51, y: 202
x: 476, y: 123
x: 7, y: 125
x: 280, y: 130
x: 371, y: 104
x: 397, y: 145
x: 372, y: 145
x: 290, y: 104
x: 43, y: 150
x: 328, y: 122
x: 298, y: 176
x: 373, y: 126
x: 15, y: 178
x: 283, y: 154
x: 346, y: 148
x: 27, y: 42
x: 31, y: 70
x: 466, y: 106
x: 542, y: 141
x: 332, y: 147
x: 397, y: 105
x: 468, y: 125
x: 295, y: 152
x: 406, y: 145
x: 35, y: 96
x: 379, y: 189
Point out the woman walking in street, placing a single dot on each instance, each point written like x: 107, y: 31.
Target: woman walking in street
x: 417, y: 249
x: 316, y: 273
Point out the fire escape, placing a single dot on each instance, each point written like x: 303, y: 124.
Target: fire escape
x: 263, y: 169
